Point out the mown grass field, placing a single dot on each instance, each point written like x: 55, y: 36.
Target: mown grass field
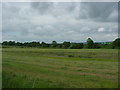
x: 59, y: 68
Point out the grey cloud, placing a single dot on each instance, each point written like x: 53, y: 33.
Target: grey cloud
x: 42, y: 7
x: 98, y: 11
x: 9, y: 11
x: 56, y: 8
x: 57, y: 21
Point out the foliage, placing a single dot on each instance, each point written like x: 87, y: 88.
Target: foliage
x: 90, y: 43
x: 76, y: 46
x: 44, y: 45
x: 116, y: 43
x: 54, y: 44
x: 11, y: 43
x: 66, y: 44
x: 96, y: 45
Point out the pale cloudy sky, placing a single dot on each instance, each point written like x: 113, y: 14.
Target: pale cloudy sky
x: 60, y: 21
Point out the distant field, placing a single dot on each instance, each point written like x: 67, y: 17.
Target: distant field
x: 59, y: 68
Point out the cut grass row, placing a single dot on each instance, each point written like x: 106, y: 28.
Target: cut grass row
x: 28, y: 69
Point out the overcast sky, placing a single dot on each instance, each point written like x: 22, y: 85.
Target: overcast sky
x: 63, y: 21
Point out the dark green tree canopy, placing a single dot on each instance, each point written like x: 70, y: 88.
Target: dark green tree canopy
x: 66, y: 44
x: 76, y: 45
x: 54, y: 44
x: 90, y: 43
x: 116, y: 43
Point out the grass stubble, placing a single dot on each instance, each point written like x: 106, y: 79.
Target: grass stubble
x: 59, y: 68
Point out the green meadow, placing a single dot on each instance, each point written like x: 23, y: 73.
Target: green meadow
x: 59, y: 68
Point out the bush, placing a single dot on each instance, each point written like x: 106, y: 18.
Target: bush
x: 76, y: 46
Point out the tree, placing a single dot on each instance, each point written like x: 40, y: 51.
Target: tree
x: 59, y: 45
x: 19, y: 44
x: 10, y: 43
x: 54, y: 44
x: 116, y: 43
x: 26, y: 44
x: 44, y: 45
x: 35, y: 44
x: 66, y: 44
x: 90, y: 43
x: 5, y: 43
x: 76, y: 46
x: 97, y: 45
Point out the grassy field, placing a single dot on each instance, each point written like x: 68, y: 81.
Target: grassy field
x: 59, y: 68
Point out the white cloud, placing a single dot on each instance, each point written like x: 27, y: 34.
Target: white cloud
x: 101, y: 29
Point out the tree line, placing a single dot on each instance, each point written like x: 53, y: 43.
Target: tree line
x: 66, y: 44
